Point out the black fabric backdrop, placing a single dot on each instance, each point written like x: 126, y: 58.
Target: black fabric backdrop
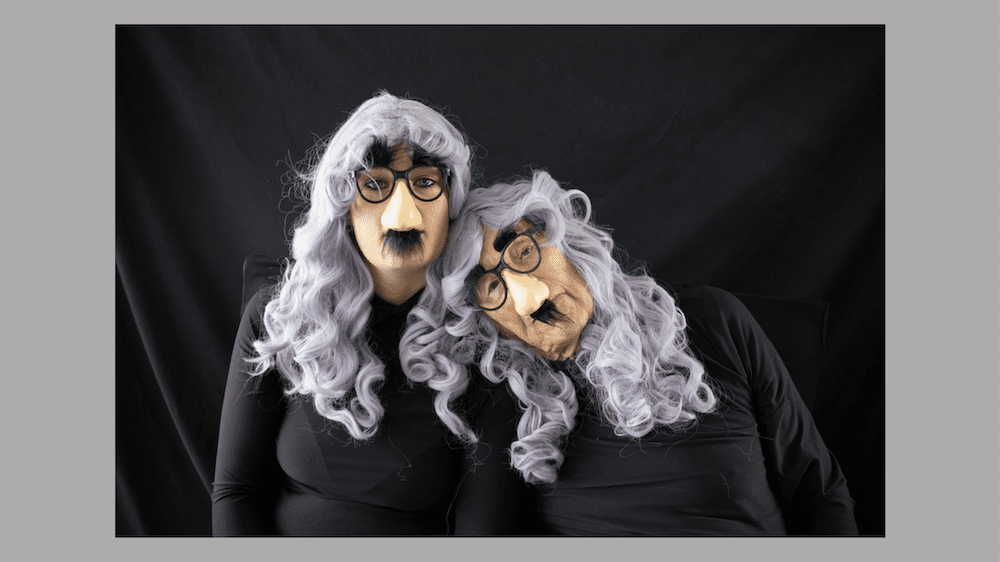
x: 748, y: 158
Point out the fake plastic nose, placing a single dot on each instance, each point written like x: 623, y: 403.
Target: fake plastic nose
x: 526, y: 290
x: 401, y: 213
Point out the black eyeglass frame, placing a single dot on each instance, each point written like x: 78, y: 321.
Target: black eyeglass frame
x: 503, y: 265
x: 405, y: 175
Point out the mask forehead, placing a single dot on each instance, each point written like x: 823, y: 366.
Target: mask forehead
x: 401, y: 159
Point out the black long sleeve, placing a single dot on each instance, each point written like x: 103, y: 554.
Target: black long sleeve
x: 755, y: 466
x: 247, y: 477
x: 808, y: 481
x: 284, y: 469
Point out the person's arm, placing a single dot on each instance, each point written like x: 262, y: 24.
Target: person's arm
x: 807, y: 477
x: 492, y: 498
x: 246, y: 470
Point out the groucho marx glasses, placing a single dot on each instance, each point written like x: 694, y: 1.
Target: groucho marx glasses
x: 426, y: 183
x: 521, y: 255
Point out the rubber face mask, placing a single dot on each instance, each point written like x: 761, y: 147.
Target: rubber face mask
x: 534, y: 294
x: 400, y: 211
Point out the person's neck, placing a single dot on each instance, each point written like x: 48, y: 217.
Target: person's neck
x: 396, y: 286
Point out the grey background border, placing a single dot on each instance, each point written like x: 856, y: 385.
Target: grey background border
x: 943, y: 193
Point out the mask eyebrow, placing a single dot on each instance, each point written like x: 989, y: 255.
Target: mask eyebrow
x: 423, y: 158
x: 503, y: 237
x: 379, y: 153
x: 472, y: 279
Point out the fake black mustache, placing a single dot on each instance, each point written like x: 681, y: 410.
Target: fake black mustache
x: 548, y: 313
x: 402, y: 243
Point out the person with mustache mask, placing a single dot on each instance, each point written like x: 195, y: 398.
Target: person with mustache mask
x: 643, y: 412
x: 324, y: 432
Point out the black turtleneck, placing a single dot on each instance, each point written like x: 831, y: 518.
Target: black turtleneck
x: 755, y: 466
x: 403, y: 481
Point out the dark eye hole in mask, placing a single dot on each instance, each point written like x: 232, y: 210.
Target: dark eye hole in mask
x: 402, y: 243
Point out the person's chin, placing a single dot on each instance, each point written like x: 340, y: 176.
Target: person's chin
x: 559, y: 353
x: 560, y: 348
x: 409, y: 260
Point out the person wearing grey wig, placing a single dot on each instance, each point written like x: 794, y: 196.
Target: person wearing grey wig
x: 323, y: 431
x: 642, y: 411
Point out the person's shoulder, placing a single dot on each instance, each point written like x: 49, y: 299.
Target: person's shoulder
x: 718, y: 326
x: 709, y: 303
x: 253, y: 312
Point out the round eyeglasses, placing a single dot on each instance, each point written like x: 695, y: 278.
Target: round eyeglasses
x: 521, y: 255
x: 426, y: 183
